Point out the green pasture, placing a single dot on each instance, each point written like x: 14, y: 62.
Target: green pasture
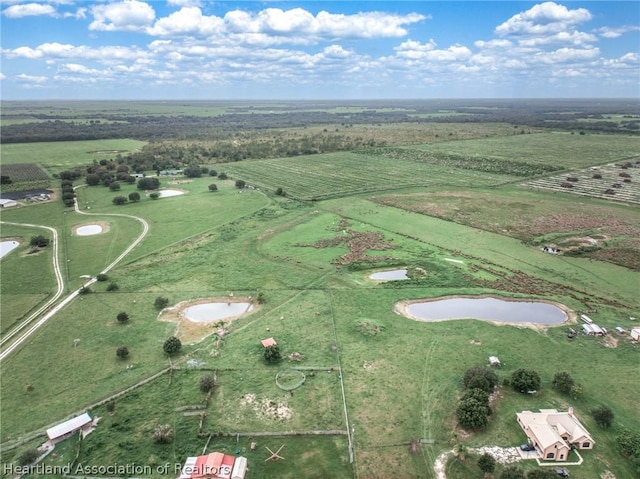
x: 57, y: 156
x: 561, y: 149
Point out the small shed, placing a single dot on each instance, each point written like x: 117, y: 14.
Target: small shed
x: 494, y: 361
x: 68, y: 428
x: 269, y: 342
x: 635, y: 333
x: 593, y: 330
x: 620, y: 330
x: 239, y: 468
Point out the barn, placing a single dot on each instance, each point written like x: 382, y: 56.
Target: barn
x: 7, y: 203
x: 68, y: 428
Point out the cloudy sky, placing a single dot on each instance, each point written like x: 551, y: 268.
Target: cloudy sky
x: 201, y: 49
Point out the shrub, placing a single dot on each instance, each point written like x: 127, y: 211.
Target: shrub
x: 240, y: 184
x: 207, y: 383
x: 161, y: 302
x: 629, y: 443
x: 119, y: 200
x: 213, y: 187
x: 154, y: 195
x: 213, y: 173
x: 223, y: 176
x: 122, y: 317
x: 85, y: 290
x: 163, y: 434
x: 122, y: 352
x: 512, y: 472
x: 102, y: 277
x: 27, y: 457
x: 172, y: 345
x: 563, y: 382
x: 113, y: 287
x: 525, y: 380
x: 39, y: 241
x: 480, y: 377
x: 134, y: 196
x: 487, y: 463
x: 272, y: 354
x: 603, y: 416
x: 472, y: 414
x: 114, y: 186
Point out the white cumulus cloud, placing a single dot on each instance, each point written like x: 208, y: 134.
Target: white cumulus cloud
x: 187, y: 21
x: 544, y: 18
x: 28, y: 10
x: 615, y: 32
x: 129, y: 15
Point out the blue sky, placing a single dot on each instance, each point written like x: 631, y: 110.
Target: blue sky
x: 200, y: 49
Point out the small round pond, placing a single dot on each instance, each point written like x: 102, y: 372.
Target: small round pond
x: 392, y: 275
x: 7, y: 247
x: 168, y: 193
x: 211, y: 312
x: 487, y: 309
x: 89, y: 230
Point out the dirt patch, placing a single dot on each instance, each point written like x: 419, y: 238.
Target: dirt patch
x: 358, y: 243
x: 179, y: 182
x: 401, y: 309
x: 610, y: 341
x: 103, y: 224
x: 191, y: 332
x: 607, y: 475
x: 267, y: 408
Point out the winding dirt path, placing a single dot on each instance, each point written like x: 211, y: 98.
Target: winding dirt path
x: 60, y: 280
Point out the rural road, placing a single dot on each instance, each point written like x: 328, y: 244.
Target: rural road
x: 31, y: 328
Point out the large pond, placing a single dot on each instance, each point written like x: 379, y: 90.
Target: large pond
x: 7, y: 247
x: 392, y: 275
x: 211, y: 312
x: 167, y: 193
x: 89, y: 230
x: 487, y: 309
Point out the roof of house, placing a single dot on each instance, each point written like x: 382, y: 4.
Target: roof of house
x: 268, y: 342
x: 208, y: 465
x: 549, y: 425
x: 68, y: 426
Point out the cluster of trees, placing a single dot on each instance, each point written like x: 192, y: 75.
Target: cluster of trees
x: 39, y: 241
x: 67, y: 192
x: 473, y: 411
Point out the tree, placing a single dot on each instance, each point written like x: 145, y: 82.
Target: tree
x: 213, y: 173
x: 486, y: 463
x: 576, y: 391
x: 101, y: 277
x: 472, y: 414
x: 163, y: 434
x: 114, y: 186
x: 603, y: 416
x: 193, y: 171
x: 512, y: 472
x: 5, y: 180
x: 122, y: 317
x: 629, y: 443
x: 478, y: 394
x: 39, y: 241
x: 207, y: 383
x: 119, y: 200
x: 28, y: 457
x: 85, y: 290
x: 213, y: 187
x: 240, y: 184
x: 260, y: 298
x: 113, y: 287
x: 122, y: 352
x: 154, y: 196
x: 272, y: 354
x: 480, y: 377
x: 563, y: 382
x: 148, y: 183
x: 280, y: 192
x: 525, y: 380
x: 161, y: 302
x: 172, y: 345
x: 134, y: 196
x: 223, y: 176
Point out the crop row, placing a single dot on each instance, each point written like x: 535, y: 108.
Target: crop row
x: 322, y: 176
x: 23, y: 172
x: 483, y: 164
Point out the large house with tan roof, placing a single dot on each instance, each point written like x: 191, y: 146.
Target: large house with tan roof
x: 553, y: 433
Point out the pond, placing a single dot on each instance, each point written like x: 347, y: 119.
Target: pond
x: 487, y: 309
x: 7, y: 247
x: 211, y: 312
x: 392, y: 275
x: 168, y: 193
x: 89, y: 230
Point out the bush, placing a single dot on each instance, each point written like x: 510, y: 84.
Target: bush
x: 512, y: 472
x: 114, y: 186
x: 85, y: 290
x: 213, y: 187
x: 487, y: 463
x: 525, y: 380
x: 27, y: 457
x: 563, y: 382
x: 272, y: 354
x: 134, y: 196
x: 39, y: 241
x: 472, y: 414
x: 161, y: 302
x: 207, y: 383
x: 122, y: 352
x: 603, y: 416
x: 172, y: 345
x: 113, y: 287
x: 102, y: 277
x: 223, y: 176
x: 240, y: 184
x: 193, y: 171
x: 213, y: 173
x: 480, y: 377
x: 119, y: 200
x: 122, y: 317
x: 542, y: 474
x: 154, y: 195
x: 629, y: 443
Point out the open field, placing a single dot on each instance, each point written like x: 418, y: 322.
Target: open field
x: 375, y: 381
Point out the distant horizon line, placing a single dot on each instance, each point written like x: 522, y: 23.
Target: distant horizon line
x: 637, y: 99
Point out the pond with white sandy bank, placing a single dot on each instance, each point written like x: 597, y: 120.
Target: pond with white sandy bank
x: 7, y: 247
x: 486, y: 309
x: 168, y: 193
x: 392, y: 275
x: 89, y: 230
x: 211, y: 312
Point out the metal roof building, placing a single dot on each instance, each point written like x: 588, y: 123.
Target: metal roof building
x: 66, y: 429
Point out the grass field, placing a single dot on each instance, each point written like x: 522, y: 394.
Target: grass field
x: 380, y: 387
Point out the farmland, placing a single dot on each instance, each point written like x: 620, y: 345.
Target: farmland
x: 466, y: 211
